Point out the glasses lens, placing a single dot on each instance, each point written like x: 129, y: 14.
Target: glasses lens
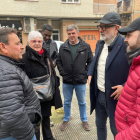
x: 101, y: 27
x: 39, y: 41
x: 34, y: 41
x: 98, y: 27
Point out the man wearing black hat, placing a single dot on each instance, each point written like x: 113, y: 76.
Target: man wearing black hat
x: 127, y: 114
x: 108, y: 73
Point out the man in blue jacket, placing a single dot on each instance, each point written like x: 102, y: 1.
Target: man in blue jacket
x: 108, y: 73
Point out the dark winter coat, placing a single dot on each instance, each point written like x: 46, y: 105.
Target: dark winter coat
x: 36, y: 65
x: 116, y: 72
x: 51, y: 48
x: 19, y: 106
x: 74, y: 72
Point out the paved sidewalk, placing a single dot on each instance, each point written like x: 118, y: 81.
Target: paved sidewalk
x: 75, y: 130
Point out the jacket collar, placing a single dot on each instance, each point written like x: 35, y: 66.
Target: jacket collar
x: 32, y: 54
x: 48, y: 41
x: 133, y: 56
x: 135, y: 63
x: 115, y: 47
x: 75, y: 43
x: 11, y: 60
x: 110, y: 47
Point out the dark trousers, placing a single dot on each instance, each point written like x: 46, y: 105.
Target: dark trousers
x: 101, y: 117
x: 46, y: 130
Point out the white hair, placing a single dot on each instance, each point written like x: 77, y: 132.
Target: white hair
x: 34, y: 34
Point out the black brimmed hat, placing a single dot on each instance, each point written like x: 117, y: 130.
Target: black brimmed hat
x: 111, y: 17
x: 135, y: 25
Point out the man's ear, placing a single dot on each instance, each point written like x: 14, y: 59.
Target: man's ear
x: 3, y: 48
x: 117, y: 27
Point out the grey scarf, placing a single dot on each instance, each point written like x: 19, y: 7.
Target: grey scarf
x: 132, y: 54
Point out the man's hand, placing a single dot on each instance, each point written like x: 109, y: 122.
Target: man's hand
x: 54, y: 64
x: 117, y: 92
x: 89, y: 79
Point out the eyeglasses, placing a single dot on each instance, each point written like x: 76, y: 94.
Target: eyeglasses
x: 104, y: 27
x: 35, y: 41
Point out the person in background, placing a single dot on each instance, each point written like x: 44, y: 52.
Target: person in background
x: 108, y: 73
x: 51, y: 47
x: 36, y: 65
x: 48, y: 43
x: 127, y: 114
x: 73, y: 61
x: 20, y: 113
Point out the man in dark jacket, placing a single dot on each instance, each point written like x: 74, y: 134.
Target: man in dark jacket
x: 20, y: 113
x: 50, y: 46
x: 109, y: 71
x: 48, y: 43
x: 73, y: 62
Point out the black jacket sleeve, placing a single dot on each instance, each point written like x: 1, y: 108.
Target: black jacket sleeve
x: 59, y: 62
x: 90, y: 58
x: 56, y: 53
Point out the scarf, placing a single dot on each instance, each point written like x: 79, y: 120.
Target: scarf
x: 132, y: 54
x: 41, y: 52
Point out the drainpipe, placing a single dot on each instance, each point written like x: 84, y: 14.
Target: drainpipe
x: 133, y: 14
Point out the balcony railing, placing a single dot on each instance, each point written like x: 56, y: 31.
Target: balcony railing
x: 103, y: 8
x: 126, y: 10
x: 125, y: 23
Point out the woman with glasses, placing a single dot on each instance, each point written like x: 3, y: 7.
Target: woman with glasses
x: 36, y: 65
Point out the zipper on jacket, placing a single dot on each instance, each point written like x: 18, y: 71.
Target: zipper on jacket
x: 67, y: 48
x: 126, y: 118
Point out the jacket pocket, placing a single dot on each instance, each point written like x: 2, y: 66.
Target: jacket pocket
x: 130, y: 116
x: 80, y: 78
x: 67, y: 77
x: 38, y: 119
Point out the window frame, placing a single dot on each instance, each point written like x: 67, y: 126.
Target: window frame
x: 70, y: 2
x: 56, y: 34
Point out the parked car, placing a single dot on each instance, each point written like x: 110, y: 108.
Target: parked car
x: 59, y: 43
